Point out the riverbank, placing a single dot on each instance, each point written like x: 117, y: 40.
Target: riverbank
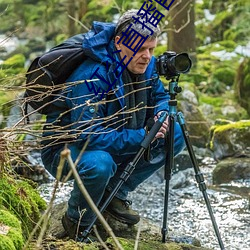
x: 188, y: 215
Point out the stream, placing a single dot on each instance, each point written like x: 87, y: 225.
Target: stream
x: 187, y: 212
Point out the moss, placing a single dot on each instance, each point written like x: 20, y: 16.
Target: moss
x: 228, y: 45
x: 220, y: 24
x: 214, y: 101
x: 6, y: 243
x: 238, y: 128
x: 236, y: 125
x: 242, y: 84
x: 16, y: 237
x: 17, y: 61
x: 10, y: 220
x: 13, y: 238
x: 128, y: 244
x: 22, y: 200
x: 224, y: 75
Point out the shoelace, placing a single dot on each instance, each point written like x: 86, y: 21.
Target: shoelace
x: 127, y: 203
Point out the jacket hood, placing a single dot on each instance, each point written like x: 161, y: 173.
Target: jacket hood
x: 98, y: 41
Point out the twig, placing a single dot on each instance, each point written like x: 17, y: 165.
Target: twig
x: 137, y: 236
x: 77, y: 21
x: 99, y: 238
x: 66, y: 154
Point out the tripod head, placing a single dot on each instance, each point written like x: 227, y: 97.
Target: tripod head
x: 174, y: 89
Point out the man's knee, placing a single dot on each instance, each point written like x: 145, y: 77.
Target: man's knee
x: 97, y: 165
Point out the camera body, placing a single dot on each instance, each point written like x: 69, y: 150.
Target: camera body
x: 171, y: 65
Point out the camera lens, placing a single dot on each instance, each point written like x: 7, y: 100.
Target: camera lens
x: 182, y: 63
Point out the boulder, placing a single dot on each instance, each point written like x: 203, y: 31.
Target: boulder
x: 150, y: 235
x: 232, y: 139
x: 231, y: 169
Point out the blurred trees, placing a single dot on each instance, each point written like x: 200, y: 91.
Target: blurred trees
x: 181, y: 32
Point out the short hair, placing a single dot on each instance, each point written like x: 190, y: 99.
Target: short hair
x: 127, y: 18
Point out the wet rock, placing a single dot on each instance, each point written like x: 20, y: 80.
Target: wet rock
x: 181, y: 179
x: 231, y: 169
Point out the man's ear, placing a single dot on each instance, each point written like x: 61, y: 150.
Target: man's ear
x: 117, y: 38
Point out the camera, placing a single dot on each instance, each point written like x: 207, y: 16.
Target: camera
x: 171, y: 65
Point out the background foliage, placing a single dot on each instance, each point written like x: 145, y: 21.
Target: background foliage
x: 215, y: 33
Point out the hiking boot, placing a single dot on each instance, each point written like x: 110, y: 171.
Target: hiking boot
x: 121, y: 211
x: 75, y: 231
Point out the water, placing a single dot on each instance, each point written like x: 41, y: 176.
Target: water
x: 188, y: 215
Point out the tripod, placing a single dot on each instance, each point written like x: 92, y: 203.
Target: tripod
x: 173, y: 90
x: 169, y: 163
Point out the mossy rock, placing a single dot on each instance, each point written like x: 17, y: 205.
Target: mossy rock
x: 128, y: 244
x: 242, y: 84
x: 22, y: 200
x: 231, y: 169
x: 10, y: 231
x: 221, y: 107
x: 232, y: 139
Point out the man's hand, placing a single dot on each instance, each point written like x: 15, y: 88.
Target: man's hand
x: 164, y: 128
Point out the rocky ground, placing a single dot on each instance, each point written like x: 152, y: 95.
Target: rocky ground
x: 149, y: 236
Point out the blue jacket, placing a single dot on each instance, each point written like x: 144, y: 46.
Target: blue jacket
x: 106, y: 132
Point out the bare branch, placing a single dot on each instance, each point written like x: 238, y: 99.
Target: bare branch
x: 66, y: 154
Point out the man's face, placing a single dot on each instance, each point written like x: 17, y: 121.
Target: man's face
x: 140, y: 61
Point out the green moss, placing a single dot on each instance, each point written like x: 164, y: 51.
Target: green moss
x: 14, y: 234
x: 220, y: 132
x: 22, y: 200
x: 225, y: 75
x: 128, y: 244
x: 9, y: 219
x: 16, y: 237
x: 17, y: 61
x: 235, y: 125
x: 214, y: 101
x: 6, y: 243
x: 242, y: 84
x: 228, y: 45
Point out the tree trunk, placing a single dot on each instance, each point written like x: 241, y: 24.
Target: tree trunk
x: 83, y: 7
x: 181, y: 37
x: 72, y: 13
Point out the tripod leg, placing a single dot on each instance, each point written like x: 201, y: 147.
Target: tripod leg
x: 199, y: 177
x: 168, y: 173
x: 129, y: 168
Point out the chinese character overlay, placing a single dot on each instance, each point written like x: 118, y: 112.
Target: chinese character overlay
x: 163, y: 2
x: 130, y: 39
x: 133, y: 40
x: 146, y: 13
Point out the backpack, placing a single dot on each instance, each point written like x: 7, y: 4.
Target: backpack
x: 48, y: 73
